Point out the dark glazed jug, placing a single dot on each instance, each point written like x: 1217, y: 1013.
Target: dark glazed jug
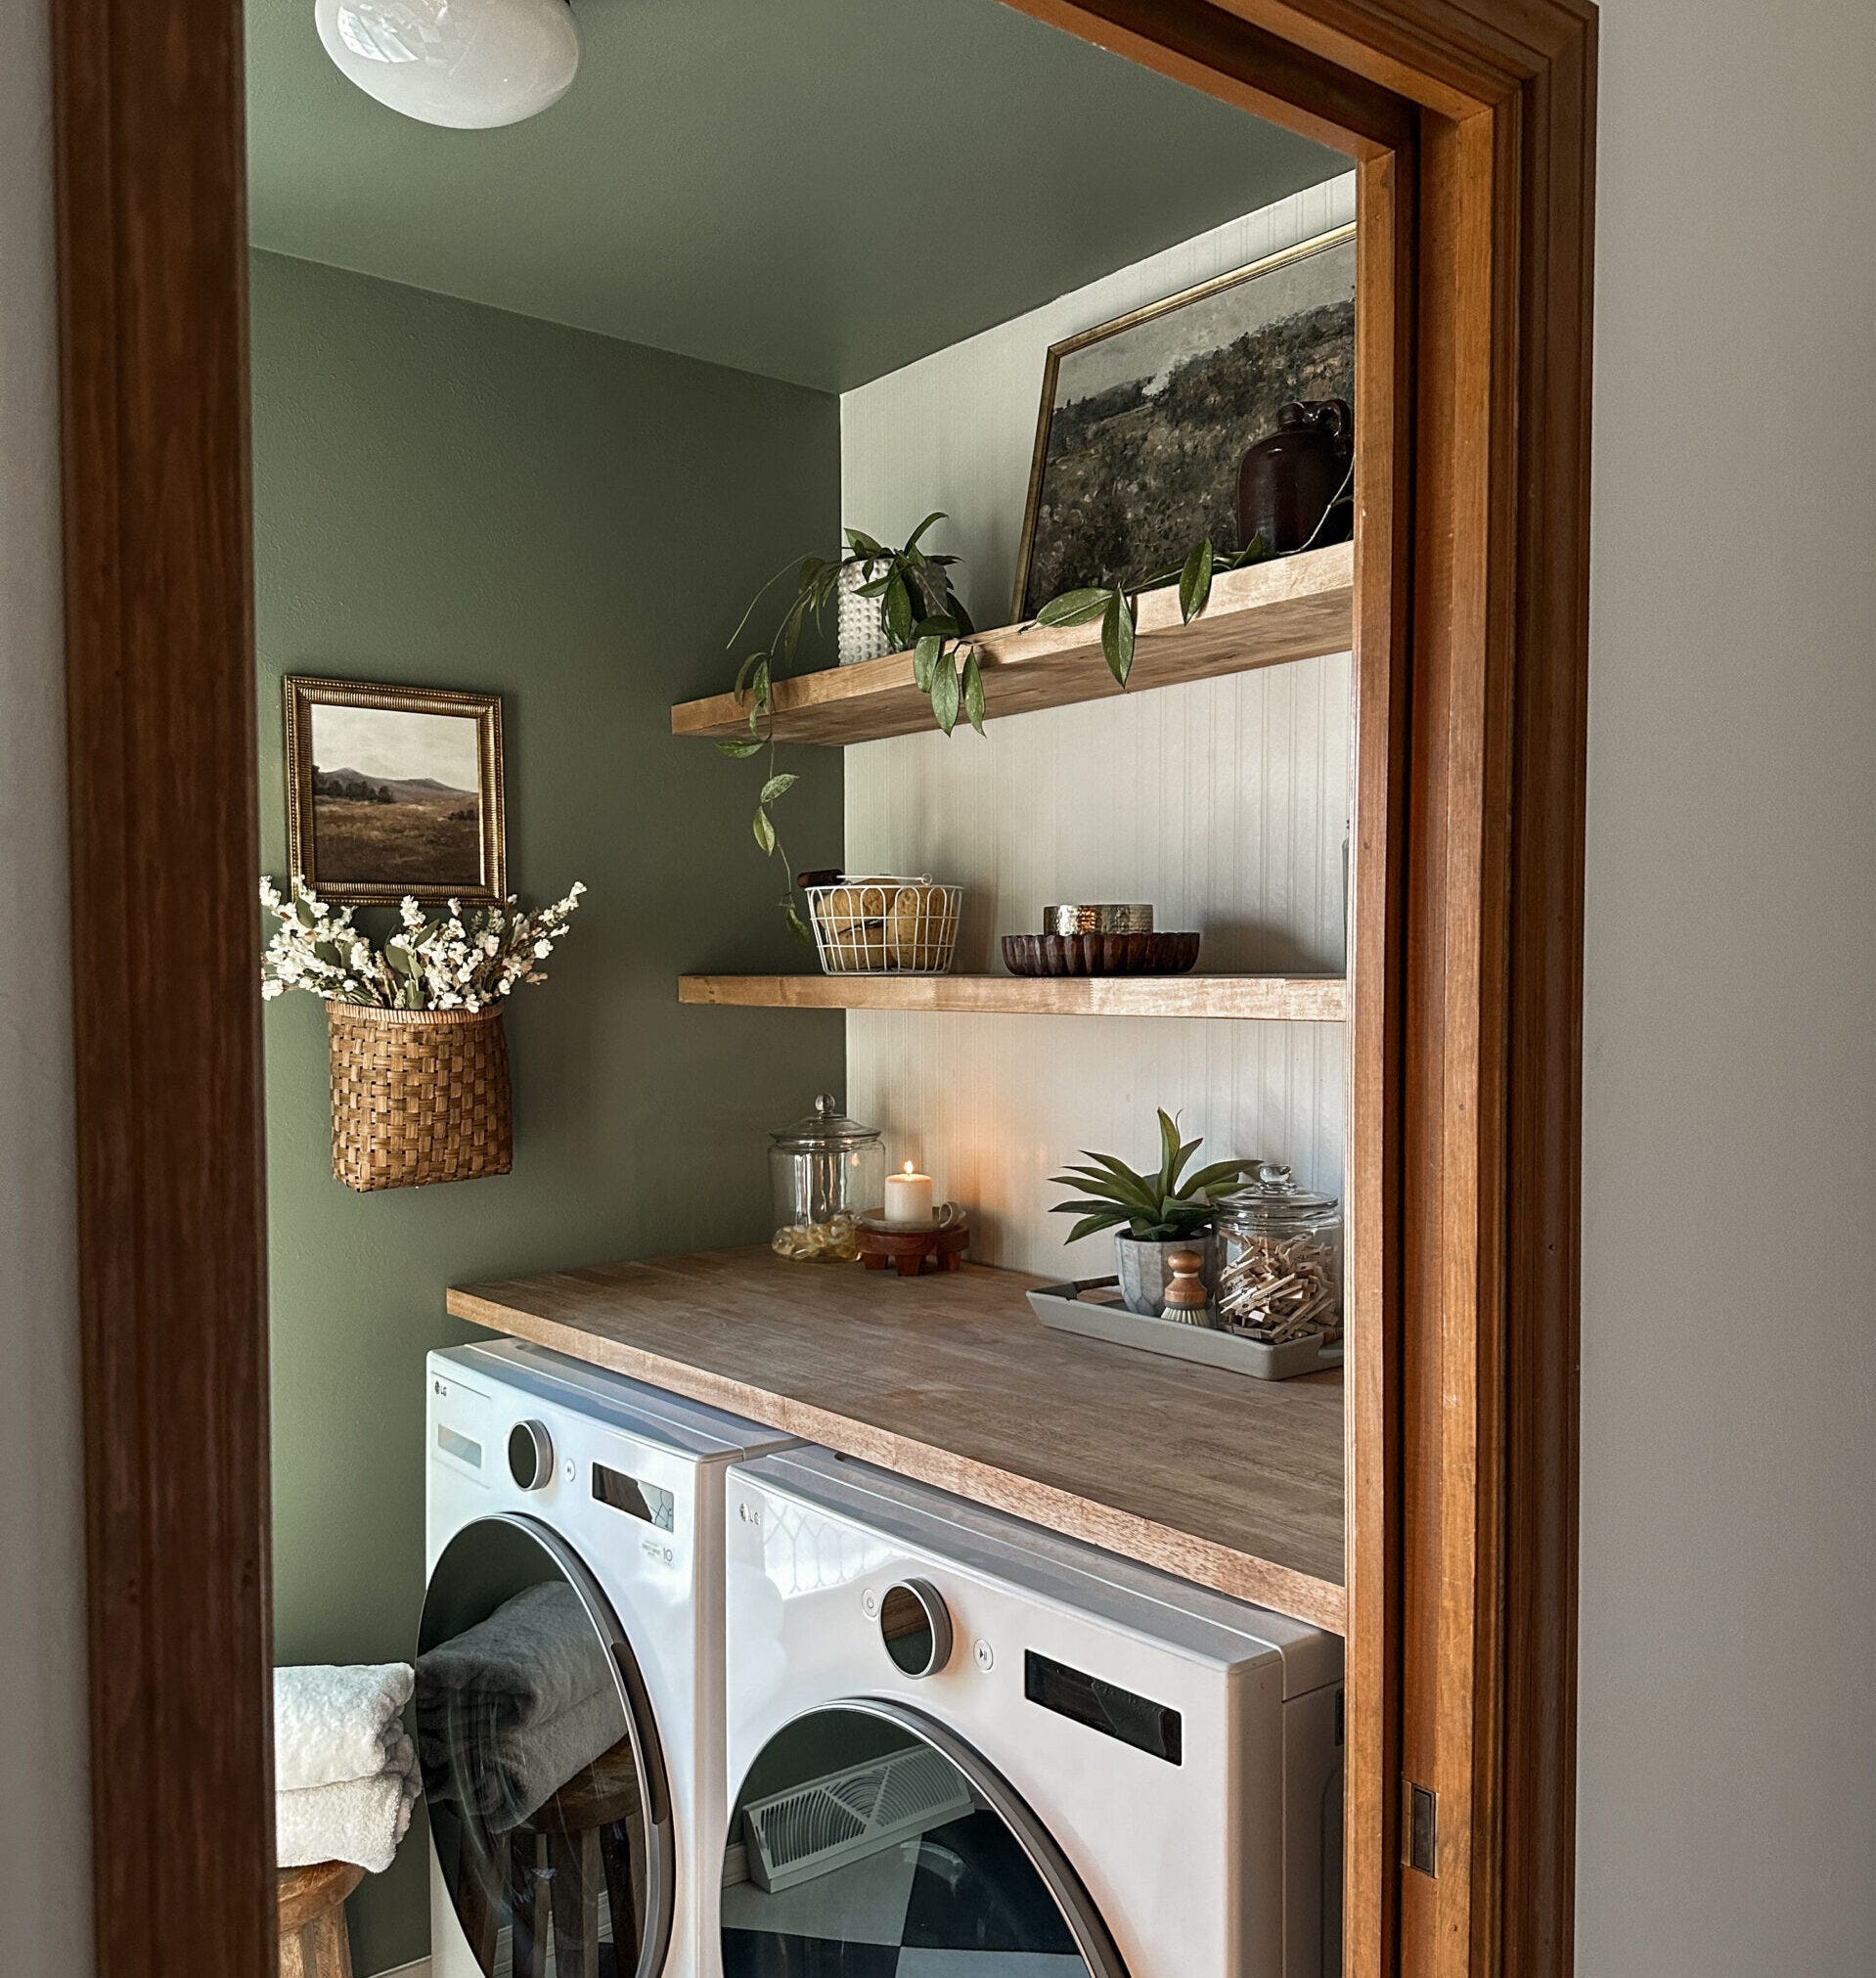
x: 1291, y: 488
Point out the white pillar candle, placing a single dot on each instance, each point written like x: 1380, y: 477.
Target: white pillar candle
x: 908, y: 1200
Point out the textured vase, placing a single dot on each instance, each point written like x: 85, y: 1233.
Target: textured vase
x: 1144, y: 1273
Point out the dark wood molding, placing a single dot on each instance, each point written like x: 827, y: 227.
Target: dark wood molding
x: 1474, y: 124
x: 160, y: 713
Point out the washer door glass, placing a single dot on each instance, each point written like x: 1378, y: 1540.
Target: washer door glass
x: 871, y: 1842
x: 545, y: 1787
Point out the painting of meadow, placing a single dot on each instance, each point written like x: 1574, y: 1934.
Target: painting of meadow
x: 1144, y: 423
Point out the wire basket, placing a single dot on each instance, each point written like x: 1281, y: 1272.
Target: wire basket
x: 882, y: 925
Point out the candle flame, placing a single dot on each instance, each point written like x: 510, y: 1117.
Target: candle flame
x: 910, y: 1169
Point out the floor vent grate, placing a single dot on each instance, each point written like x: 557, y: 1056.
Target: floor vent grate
x: 814, y: 1828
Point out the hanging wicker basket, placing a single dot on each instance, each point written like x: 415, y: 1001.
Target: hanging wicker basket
x: 419, y: 1095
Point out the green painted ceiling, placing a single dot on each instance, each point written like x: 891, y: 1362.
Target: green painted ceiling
x: 818, y: 190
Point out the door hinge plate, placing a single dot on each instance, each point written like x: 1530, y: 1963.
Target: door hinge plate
x: 1420, y: 1828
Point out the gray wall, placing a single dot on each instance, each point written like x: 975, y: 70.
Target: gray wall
x: 45, y: 1830
x: 451, y: 495
x: 1727, y: 1803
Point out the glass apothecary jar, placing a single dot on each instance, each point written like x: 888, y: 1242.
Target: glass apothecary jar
x: 825, y: 1170
x: 1280, y: 1259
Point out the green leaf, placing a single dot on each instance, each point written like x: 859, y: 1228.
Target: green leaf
x: 876, y: 589
x: 1082, y: 1208
x: 741, y: 750
x: 791, y: 628
x: 1090, y: 1226
x: 936, y: 515
x: 1074, y: 607
x: 1195, y: 582
x: 744, y: 671
x: 958, y: 612
x: 765, y: 832
x: 859, y: 541
x: 944, y: 693
x: 924, y: 660
x: 898, y: 611
x: 1117, y: 637
x: 973, y: 688
x: 305, y: 913
x: 797, y: 927
x: 1168, y: 1152
x: 1220, y: 1175
x: 776, y: 785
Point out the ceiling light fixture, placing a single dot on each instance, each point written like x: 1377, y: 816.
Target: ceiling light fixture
x: 467, y: 65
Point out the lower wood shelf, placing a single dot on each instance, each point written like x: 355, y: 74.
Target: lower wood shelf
x: 1233, y: 1483
x: 1295, y: 999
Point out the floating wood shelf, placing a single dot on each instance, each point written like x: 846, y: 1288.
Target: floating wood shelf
x: 1295, y: 999
x: 1233, y: 1483
x: 1296, y: 607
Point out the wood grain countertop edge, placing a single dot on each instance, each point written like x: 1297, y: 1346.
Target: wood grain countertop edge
x: 1242, y: 1575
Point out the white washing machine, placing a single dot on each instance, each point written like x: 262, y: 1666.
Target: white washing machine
x: 962, y: 1748
x: 570, y: 1668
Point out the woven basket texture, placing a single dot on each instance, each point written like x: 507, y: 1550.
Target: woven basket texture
x: 419, y: 1095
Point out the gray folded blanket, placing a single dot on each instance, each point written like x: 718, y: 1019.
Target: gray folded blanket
x: 513, y: 1708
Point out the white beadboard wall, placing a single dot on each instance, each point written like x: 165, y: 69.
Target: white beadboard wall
x: 1224, y: 802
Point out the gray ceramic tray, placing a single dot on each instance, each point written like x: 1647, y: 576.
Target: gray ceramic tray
x: 1092, y: 1307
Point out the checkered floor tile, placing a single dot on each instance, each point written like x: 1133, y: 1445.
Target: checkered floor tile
x: 961, y: 1902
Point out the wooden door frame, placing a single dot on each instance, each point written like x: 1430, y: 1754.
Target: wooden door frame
x: 1472, y: 124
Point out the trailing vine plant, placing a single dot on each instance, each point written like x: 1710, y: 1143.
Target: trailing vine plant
x: 918, y: 609
x: 1117, y: 605
x: 943, y: 641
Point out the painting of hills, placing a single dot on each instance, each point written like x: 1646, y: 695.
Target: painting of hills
x: 395, y: 797
x: 1147, y: 422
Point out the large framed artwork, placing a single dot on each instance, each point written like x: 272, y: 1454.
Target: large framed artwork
x: 393, y: 790
x: 1145, y: 421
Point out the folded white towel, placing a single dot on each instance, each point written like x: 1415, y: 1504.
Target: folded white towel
x: 333, y: 1724
x: 359, y: 1819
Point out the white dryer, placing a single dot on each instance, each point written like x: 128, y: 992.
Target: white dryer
x: 569, y: 1672
x: 962, y: 1747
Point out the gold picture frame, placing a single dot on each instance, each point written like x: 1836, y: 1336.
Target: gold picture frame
x: 393, y: 818
x: 1024, y: 605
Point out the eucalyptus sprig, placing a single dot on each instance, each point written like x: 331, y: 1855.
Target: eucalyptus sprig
x: 1117, y: 605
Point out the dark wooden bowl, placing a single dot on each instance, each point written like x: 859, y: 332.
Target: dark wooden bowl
x: 1100, y: 953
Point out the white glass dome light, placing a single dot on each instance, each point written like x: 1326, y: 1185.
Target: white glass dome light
x: 468, y: 65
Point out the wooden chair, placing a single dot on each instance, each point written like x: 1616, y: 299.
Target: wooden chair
x: 312, y: 1919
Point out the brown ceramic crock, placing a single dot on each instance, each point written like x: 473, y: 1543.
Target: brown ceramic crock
x: 1291, y: 487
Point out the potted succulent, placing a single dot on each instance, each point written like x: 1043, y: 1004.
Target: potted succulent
x: 1152, y: 1215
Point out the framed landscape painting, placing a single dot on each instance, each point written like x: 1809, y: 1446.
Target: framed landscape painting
x: 1145, y: 421
x: 393, y: 790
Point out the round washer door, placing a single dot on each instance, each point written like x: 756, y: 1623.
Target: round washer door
x: 869, y: 1839
x: 547, y: 1791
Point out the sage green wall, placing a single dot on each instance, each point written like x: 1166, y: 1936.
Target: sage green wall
x: 449, y: 495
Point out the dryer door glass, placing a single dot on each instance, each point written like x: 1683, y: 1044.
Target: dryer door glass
x: 870, y: 1840
x: 546, y: 1785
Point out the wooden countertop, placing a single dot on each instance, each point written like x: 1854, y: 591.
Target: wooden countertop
x: 1232, y: 1482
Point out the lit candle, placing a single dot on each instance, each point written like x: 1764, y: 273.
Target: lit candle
x: 908, y: 1200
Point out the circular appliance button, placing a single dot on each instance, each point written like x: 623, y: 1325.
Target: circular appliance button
x: 915, y: 1627
x: 530, y: 1455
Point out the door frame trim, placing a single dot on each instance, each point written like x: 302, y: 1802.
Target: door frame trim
x: 1472, y: 124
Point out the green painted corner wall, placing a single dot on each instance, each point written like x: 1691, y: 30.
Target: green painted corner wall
x: 449, y: 495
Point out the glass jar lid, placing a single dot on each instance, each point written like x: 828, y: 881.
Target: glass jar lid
x: 1275, y: 1191
x: 824, y: 1126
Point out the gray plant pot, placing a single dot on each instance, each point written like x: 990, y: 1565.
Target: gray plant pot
x: 1144, y: 1273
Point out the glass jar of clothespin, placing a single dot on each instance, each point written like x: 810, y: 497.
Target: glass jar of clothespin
x: 1279, y: 1267
x: 827, y: 1172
